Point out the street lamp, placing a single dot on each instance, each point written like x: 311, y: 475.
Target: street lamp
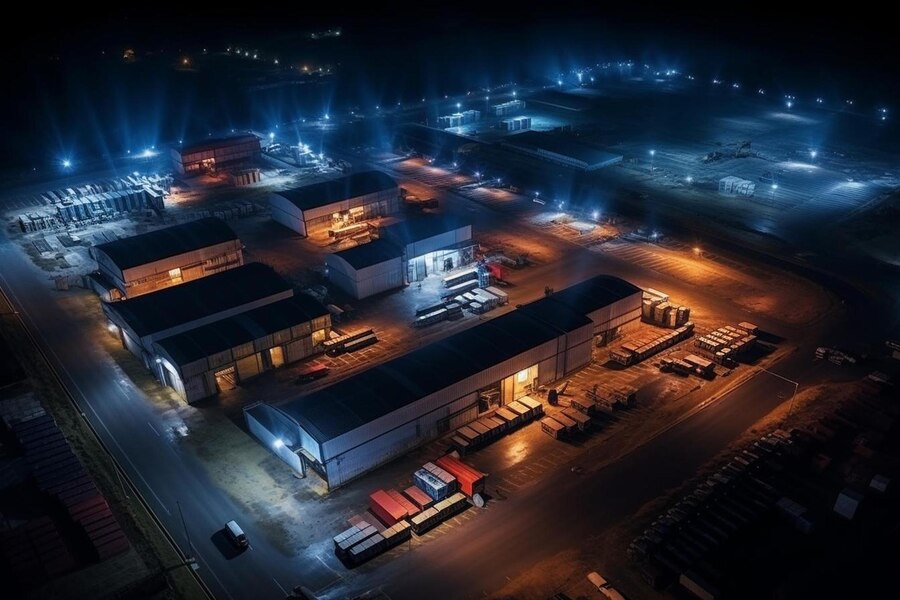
x: 689, y: 179
x: 793, y: 394
x: 813, y: 154
x: 774, y: 189
x: 652, y: 154
x: 697, y: 251
x: 66, y: 163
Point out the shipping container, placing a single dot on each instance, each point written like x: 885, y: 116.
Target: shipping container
x: 343, y: 547
x: 448, y: 479
x: 430, y: 484
x: 580, y: 418
x: 410, y: 508
x: 471, y: 481
x: 418, y: 497
x: 385, y: 508
x: 552, y: 427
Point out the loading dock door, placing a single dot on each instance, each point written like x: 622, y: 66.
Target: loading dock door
x: 276, y: 355
x: 226, y: 379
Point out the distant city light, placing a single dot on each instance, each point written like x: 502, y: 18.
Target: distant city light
x: 761, y: 92
x: 327, y: 117
x: 789, y: 104
x: 813, y: 154
x: 271, y: 135
x: 697, y: 250
x: 819, y: 100
x: 595, y: 215
x: 652, y: 152
x: 559, y: 82
x: 774, y: 186
x: 147, y: 153
x: 66, y: 163
x: 689, y: 179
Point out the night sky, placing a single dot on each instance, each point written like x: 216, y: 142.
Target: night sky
x: 67, y: 83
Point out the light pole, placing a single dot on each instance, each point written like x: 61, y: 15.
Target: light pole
x: 793, y: 394
x: 652, y: 154
x: 774, y: 189
x: 813, y: 154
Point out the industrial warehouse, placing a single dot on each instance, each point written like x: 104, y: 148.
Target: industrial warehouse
x: 212, y: 156
x: 141, y: 321
x: 338, y: 207
x: 406, y: 252
x: 152, y: 261
x: 566, y: 152
x: 200, y: 362
x: 359, y: 423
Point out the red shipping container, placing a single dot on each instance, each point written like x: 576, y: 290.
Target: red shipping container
x: 471, y: 481
x: 386, y: 508
x: 411, y: 509
x: 418, y: 497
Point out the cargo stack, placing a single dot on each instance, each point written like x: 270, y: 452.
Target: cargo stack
x: 445, y: 477
x: 419, y: 498
x: 431, y: 485
x: 345, y: 540
x: 410, y: 507
x: 385, y: 508
x: 471, y: 481
x: 643, y: 347
x: 656, y: 309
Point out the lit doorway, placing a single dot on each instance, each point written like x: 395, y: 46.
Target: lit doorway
x: 226, y: 379
x: 276, y: 355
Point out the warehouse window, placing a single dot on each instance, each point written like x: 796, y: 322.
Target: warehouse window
x: 174, y: 273
x: 318, y: 337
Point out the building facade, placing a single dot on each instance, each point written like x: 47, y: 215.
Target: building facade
x: 152, y: 261
x: 338, y: 207
x: 361, y: 422
x: 200, y: 362
x: 212, y: 156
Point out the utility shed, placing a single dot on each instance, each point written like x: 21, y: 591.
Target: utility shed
x: 431, y: 244
x: 143, y: 320
x: 242, y: 346
x: 216, y: 154
x: 328, y: 207
x: 356, y: 424
x: 613, y: 304
x: 366, y: 270
x: 148, y: 262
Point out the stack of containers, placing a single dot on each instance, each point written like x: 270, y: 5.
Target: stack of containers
x: 342, y: 547
x: 418, y: 497
x: 445, y: 477
x: 471, y: 481
x: 431, y: 485
x: 410, y: 508
x: 385, y: 508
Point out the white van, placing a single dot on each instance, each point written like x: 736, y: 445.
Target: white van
x: 236, y: 535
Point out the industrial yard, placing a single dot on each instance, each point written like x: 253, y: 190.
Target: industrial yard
x: 587, y: 323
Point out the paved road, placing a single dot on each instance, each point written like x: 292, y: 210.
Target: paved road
x: 135, y: 433
x: 541, y: 521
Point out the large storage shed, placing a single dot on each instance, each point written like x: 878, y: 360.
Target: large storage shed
x: 151, y: 261
x: 334, y: 205
x: 366, y: 270
x: 431, y: 244
x: 361, y: 422
x: 240, y: 347
x: 141, y: 321
x: 613, y: 304
x: 217, y: 154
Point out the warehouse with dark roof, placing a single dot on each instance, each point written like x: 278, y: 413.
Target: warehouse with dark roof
x: 338, y: 207
x: 214, y: 155
x: 141, y: 321
x: 361, y: 422
x: 195, y: 362
x: 148, y: 262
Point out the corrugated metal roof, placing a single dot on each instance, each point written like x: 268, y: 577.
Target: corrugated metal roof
x: 225, y: 334
x: 383, y: 389
x: 156, y: 245
x: 590, y: 295
x: 196, y: 299
x: 420, y: 228
x: 335, y: 190
x: 570, y: 148
x: 217, y: 143
x: 366, y: 255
